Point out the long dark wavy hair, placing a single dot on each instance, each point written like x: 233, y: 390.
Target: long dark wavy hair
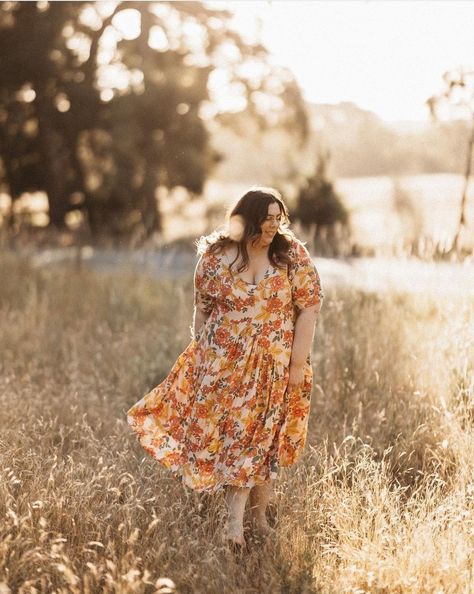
x: 243, y: 224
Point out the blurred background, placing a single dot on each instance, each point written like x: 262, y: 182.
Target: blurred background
x: 134, y: 125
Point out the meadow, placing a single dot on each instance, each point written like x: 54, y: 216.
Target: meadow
x: 381, y: 502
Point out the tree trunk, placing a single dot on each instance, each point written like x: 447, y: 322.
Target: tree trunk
x: 467, y: 174
x: 52, y: 158
x: 150, y: 214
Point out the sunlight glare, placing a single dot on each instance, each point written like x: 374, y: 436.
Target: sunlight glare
x: 114, y: 76
x: 128, y: 23
x: 91, y: 18
x: 157, y: 39
x: 226, y: 96
x: 106, y: 95
x: 387, y: 57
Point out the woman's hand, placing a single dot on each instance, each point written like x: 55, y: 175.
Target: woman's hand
x: 296, y: 374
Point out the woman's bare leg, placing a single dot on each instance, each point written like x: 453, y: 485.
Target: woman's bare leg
x: 236, y: 498
x: 259, y: 498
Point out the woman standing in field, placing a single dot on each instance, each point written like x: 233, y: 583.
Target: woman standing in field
x: 235, y: 405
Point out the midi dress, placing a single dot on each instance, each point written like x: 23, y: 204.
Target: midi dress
x: 226, y: 414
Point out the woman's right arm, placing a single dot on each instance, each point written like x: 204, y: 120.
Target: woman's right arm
x: 203, y: 302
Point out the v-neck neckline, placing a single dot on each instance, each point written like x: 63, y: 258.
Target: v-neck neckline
x: 254, y: 285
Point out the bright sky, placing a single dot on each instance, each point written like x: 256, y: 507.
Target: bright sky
x: 385, y: 56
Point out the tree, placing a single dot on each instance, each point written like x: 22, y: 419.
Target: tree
x: 100, y: 117
x: 37, y: 72
x: 458, y: 93
x: 318, y: 204
x: 317, y: 201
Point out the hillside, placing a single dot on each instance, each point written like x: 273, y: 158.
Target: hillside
x: 360, y: 144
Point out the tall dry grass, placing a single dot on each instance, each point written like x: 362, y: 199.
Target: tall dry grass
x: 381, y: 502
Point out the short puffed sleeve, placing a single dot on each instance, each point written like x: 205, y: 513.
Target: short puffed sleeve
x: 202, y: 299
x: 306, y: 287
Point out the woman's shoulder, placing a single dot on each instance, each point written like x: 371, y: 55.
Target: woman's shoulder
x: 210, y: 259
x: 297, y: 247
x: 209, y: 246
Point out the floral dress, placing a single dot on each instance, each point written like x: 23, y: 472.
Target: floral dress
x: 225, y: 414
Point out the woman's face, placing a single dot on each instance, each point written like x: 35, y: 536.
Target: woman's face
x: 270, y: 225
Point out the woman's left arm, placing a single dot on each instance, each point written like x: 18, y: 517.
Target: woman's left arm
x: 304, y: 335
x: 307, y: 296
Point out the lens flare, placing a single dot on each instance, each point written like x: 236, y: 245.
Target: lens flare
x: 236, y: 227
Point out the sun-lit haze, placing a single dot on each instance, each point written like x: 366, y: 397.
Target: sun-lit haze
x: 387, y: 57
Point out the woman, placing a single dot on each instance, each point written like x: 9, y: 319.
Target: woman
x: 235, y: 405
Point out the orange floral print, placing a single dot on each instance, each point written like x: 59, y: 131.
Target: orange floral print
x: 225, y: 414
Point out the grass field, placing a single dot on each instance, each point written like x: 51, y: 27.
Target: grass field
x: 381, y: 502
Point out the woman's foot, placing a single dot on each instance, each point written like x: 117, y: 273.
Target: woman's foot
x: 259, y: 498
x: 234, y: 535
x: 263, y: 526
x: 234, y: 529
